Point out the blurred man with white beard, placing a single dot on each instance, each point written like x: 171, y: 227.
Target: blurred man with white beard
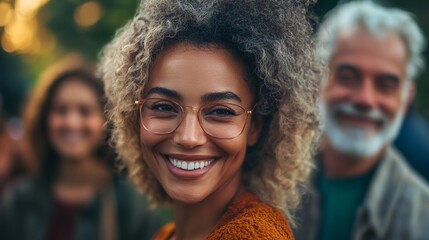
x: 363, y: 188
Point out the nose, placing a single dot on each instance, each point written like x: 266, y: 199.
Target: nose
x: 365, y: 97
x: 73, y: 120
x: 190, y: 134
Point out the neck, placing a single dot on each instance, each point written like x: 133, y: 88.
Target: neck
x: 188, y: 217
x: 339, y: 165
x: 83, y: 171
x: 78, y: 180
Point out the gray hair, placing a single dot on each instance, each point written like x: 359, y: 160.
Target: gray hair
x: 377, y: 20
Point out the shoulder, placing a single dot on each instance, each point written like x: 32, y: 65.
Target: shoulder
x: 249, y: 218
x: 27, y: 192
x: 126, y: 190
x: 400, y: 197
x: 415, y: 190
x: 136, y: 202
x: 402, y: 174
x: 29, y: 200
x: 129, y: 198
x: 135, y: 213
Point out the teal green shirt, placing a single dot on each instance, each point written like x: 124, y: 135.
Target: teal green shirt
x: 340, y: 200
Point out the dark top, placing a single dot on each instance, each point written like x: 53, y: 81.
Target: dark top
x: 340, y: 200
x: 30, y: 210
x: 63, y: 220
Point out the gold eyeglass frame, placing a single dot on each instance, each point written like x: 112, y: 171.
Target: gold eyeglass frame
x: 196, y: 109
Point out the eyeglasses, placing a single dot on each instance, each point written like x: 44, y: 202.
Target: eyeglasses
x: 219, y: 120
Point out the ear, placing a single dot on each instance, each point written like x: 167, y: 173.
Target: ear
x: 255, y: 129
x: 411, y: 94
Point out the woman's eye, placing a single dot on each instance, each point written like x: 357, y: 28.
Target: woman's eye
x: 60, y: 110
x: 164, y: 107
x: 85, y: 111
x: 163, y: 110
x: 223, y: 112
x: 220, y: 112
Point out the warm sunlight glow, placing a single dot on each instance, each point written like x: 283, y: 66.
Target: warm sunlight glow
x: 29, y: 7
x: 21, y: 29
x: 6, y: 45
x: 6, y: 13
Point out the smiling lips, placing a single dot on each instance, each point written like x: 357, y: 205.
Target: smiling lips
x: 72, y: 138
x: 363, y: 122
x: 190, y: 165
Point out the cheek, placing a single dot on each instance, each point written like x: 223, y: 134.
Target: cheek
x: 54, y: 122
x: 147, y: 140
x: 96, y: 125
x: 334, y: 92
x: 392, y: 106
x: 235, y: 148
x: 148, y: 144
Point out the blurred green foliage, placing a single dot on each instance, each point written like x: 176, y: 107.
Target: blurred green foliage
x: 12, y: 85
x: 58, y: 17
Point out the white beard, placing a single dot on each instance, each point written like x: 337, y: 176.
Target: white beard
x: 357, y: 141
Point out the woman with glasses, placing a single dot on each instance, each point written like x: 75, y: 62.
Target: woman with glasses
x: 213, y: 104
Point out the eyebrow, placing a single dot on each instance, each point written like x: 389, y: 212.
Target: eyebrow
x: 390, y: 77
x: 220, y: 96
x: 205, y: 98
x: 355, y: 70
x: 348, y: 67
x: 166, y: 92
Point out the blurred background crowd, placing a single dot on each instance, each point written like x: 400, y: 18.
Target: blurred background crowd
x: 44, y: 43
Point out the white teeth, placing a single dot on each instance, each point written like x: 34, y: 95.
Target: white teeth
x: 189, y: 165
x: 73, y: 137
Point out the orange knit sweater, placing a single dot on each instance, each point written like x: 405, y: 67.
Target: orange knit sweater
x: 246, y: 218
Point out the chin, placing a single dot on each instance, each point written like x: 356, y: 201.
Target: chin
x: 186, y: 196
x: 73, y: 155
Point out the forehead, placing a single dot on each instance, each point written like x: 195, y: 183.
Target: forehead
x: 74, y: 90
x: 193, y: 71
x: 374, y: 54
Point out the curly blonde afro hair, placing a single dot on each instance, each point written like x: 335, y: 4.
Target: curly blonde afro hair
x: 272, y: 39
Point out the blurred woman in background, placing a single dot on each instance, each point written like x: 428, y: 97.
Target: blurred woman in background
x: 75, y: 194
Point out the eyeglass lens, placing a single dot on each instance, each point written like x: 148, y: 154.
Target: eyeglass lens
x: 220, y: 120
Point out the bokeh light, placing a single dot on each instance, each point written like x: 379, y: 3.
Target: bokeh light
x: 87, y: 14
x: 6, y: 13
x: 29, y: 7
x: 21, y: 28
